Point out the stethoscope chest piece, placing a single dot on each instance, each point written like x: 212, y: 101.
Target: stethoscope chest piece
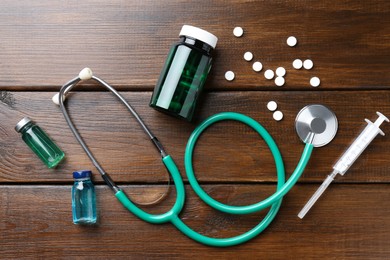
x: 318, y: 120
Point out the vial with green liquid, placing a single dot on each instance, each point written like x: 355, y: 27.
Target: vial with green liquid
x: 39, y: 142
x: 185, y: 71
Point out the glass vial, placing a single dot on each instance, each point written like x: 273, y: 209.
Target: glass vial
x: 39, y: 142
x: 83, y: 198
x: 184, y: 73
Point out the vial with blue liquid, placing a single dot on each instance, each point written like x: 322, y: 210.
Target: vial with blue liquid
x: 83, y: 198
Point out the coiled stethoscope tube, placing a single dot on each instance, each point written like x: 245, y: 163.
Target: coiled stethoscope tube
x: 172, y: 215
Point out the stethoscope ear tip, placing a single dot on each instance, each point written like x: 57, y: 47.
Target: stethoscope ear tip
x: 56, y: 99
x: 85, y: 74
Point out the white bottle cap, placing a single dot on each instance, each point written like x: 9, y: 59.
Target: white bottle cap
x: 199, y: 34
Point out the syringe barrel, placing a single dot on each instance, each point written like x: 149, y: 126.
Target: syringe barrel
x: 357, y: 147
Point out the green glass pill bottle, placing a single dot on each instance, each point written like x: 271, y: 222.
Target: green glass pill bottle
x: 185, y: 71
x: 39, y: 142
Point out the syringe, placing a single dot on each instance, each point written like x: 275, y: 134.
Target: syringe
x: 348, y: 158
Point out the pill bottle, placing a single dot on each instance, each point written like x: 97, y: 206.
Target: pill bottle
x: 185, y: 71
x: 83, y: 198
x: 39, y: 142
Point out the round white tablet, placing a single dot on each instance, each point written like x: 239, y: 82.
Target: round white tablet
x: 269, y: 74
x: 278, y: 115
x: 291, y: 41
x: 238, y: 31
x: 257, y: 66
x: 280, y: 71
x: 229, y: 75
x: 248, y: 56
x: 272, y: 106
x: 297, y: 64
x: 308, y: 64
x: 315, y: 81
x: 279, y: 81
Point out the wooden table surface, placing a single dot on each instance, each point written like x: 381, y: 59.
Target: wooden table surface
x: 45, y: 43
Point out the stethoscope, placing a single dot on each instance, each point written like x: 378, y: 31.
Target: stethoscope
x: 316, y: 125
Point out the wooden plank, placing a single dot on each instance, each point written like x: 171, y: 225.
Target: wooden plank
x: 350, y: 221
x: 227, y: 152
x: 45, y: 43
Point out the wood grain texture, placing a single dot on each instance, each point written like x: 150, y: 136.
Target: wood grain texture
x: 346, y: 223
x: 45, y: 43
x: 227, y: 152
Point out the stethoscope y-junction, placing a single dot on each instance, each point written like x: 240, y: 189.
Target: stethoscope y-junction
x: 316, y: 125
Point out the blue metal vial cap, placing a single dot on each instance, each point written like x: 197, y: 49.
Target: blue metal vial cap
x: 82, y: 174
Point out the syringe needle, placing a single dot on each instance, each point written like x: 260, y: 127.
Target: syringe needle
x: 317, y: 194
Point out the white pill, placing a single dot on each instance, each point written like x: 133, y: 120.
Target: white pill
x: 280, y: 71
x: 272, y: 106
x: 257, y: 66
x: 291, y: 41
x: 315, y: 81
x: 297, y: 64
x: 229, y: 75
x: 279, y: 81
x: 269, y: 74
x: 278, y: 115
x: 248, y: 56
x: 238, y: 31
x: 308, y: 64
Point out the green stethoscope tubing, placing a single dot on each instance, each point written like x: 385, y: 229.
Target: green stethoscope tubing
x: 274, y: 200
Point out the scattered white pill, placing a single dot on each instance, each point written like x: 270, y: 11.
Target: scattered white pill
x: 315, y: 81
x: 248, y: 56
x: 272, y: 106
x: 297, y: 64
x: 229, y: 75
x: 308, y: 64
x: 291, y: 41
x: 279, y: 81
x: 280, y: 71
x: 238, y: 31
x: 278, y: 115
x: 257, y: 66
x: 269, y: 74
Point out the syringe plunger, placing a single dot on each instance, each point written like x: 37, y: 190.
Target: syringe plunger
x: 348, y: 158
